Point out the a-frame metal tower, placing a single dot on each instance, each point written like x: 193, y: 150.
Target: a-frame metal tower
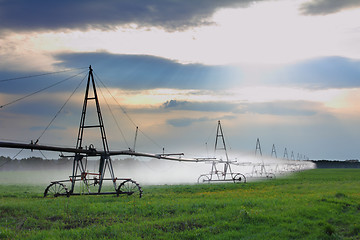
x: 262, y: 172
x: 220, y: 145
x: 226, y: 174
x: 105, y: 160
x: 273, y: 151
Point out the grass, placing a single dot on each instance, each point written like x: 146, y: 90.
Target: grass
x: 314, y: 204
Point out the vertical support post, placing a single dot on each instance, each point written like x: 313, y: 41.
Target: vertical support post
x: 136, y: 133
x: 77, y: 167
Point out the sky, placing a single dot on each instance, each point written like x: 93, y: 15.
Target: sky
x: 284, y: 71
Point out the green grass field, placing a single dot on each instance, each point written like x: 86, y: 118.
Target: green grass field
x: 314, y: 204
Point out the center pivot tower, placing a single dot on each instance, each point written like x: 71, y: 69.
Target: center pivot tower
x: 225, y: 174
x: 92, y: 182
x: 105, y: 160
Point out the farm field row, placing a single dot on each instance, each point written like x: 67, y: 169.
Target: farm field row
x: 313, y: 204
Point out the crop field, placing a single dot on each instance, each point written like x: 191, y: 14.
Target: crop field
x: 314, y: 204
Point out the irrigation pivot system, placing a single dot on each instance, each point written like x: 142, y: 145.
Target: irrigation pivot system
x: 91, y: 182
x: 83, y: 182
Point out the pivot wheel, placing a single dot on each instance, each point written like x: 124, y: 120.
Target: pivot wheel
x: 271, y: 176
x: 56, y: 189
x: 239, y: 178
x: 129, y: 188
x: 204, y: 179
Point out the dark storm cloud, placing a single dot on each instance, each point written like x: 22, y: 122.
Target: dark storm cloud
x: 323, y: 7
x: 322, y: 73
x: 137, y: 72
x: 81, y: 14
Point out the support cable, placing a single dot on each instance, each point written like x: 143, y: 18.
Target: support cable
x: 62, y: 107
x: 123, y: 109
x: 42, y: 154
x: 11, y: 158
x: 207, y: 139
x: 39, y: 75
x: 53, y: 117
x: 116, y: 122
x: 38, y: 91
x: 127, y: 115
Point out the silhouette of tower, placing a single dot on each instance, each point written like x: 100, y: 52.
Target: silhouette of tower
x: 273, y: 151
x: 258, y: 147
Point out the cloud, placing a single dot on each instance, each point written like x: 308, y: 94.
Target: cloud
x: 67, y: 14
x: 18, y: 82
x: 148, y: 72
x: 285, y: 108
x: 174, y: 104
x: 129, y: 72
x: 185, y: 122
x: 323, y: 7
x: 41, y: 128
x: 200, y: 106
x: 321, y: 73
x: 43, y: 106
